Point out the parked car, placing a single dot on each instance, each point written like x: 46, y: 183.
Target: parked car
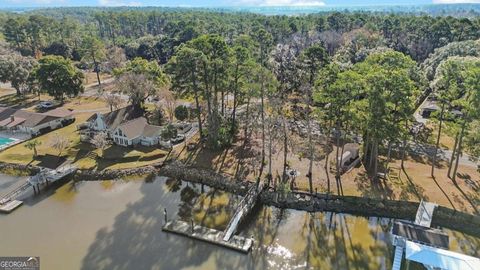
x: 165, y: 144
x: 180, y: 138
x: 45, y: 105
x: 183, y: 127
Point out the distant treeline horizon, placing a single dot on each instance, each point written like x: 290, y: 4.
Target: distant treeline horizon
x: 456, y: 10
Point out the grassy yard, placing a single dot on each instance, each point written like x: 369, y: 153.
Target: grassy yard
x: 81, y: 154
x: 86, y: 103
x: 6, y: 91
x: 446, y: 142
x: 30, y: 102
x: 413, y: 184
x: 91, y: 77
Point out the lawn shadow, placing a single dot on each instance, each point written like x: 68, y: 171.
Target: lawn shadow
x: 413, y: 188
x: 371, y: 188
x: 50, y: 161
x: 152, y: 158
x: 444, y: 193
x: 475, y: 185
x: 472, y: 201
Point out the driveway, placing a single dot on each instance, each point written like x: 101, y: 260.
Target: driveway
x: 442, y: 154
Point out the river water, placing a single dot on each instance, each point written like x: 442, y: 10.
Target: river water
x: 117, y: 225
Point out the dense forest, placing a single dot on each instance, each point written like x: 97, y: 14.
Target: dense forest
x: 356, y: 73
x: 154, y: 34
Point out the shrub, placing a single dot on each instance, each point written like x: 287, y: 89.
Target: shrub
x: 181, y: 112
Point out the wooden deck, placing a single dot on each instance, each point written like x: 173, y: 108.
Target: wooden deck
x: 208, y: 235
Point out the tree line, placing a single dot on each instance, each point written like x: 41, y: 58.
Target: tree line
x: 155, y: 33
x: 359, y: 76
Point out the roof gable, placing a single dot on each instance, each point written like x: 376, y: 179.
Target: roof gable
x: 134, y: 128
x: 139, y: 127
x: 115, y: 118
x: 25, y: 118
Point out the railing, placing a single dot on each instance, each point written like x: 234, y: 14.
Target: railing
x: 14, y: 193
x: 245, y: 206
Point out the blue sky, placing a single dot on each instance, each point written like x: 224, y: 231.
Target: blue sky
x: 213, y: 3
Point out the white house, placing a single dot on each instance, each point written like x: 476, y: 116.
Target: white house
x: 34, y: 123
x: 137, y: 131
x: 125, y: 126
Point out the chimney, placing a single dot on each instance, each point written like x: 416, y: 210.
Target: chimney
x: 12, y: 118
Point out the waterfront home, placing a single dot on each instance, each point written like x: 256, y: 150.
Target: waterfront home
x: 137, y: 131
x: 126, y: 127
x: 33, y: 123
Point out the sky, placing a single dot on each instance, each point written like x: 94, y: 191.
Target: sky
x: 219, y: 3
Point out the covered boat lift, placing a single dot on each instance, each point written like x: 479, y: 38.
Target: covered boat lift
x: 436, y: 258
x: 426, y: 245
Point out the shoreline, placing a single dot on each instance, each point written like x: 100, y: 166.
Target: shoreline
x: 298, y: 200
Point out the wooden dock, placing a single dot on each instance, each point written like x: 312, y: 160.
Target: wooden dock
x: 418, y: 232
x: 10, y: 206
x: 425, y: 214
x: 208, y: 235
x: 10, y: 202
x: 243, y: 209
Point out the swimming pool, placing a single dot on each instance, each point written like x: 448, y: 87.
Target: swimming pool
x: 5, y: 141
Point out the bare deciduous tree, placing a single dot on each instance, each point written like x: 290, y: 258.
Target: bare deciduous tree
x: 137, y: 86
x: 115, y: 59
x: 100, y: 141
x: 167, y: 99
x: 59, y: 143
x: 113, y: 100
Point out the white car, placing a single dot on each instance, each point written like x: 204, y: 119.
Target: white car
x: 45, y: 105
x: 180, y: 138
x: 165, y: 144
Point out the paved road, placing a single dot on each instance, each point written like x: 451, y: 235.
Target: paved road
x: 102, y: 110
x: 91, y: 90
x: 188, y: 135
x: 442, y: 154
x: 418, y: 117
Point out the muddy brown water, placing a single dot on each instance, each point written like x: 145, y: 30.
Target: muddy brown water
x: 117, y: 225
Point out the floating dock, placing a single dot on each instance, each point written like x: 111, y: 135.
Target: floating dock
x: 10, y: 206
x: 208, y: 235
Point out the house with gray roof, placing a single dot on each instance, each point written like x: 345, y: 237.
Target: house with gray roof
x: 125, y: 126
x: 137, y: 131
x: 34, y: 123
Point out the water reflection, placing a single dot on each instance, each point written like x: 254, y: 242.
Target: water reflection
x: 117, y: 225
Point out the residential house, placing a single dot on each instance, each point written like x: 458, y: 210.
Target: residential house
x: 137, y: 131
x: 34, y: 123
x: 125, y: 126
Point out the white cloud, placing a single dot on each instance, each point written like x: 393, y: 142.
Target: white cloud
x: 297, y: 3
x: 456, y: 1
x: 116, y: 3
